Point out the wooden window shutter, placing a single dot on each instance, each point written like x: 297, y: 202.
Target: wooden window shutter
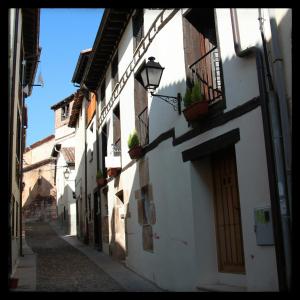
x: 138, y: 27
x: 140, y: 211
x: 140, y: 106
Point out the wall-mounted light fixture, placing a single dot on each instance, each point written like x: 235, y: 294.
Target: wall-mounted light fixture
x: 67, y: 173
x: 150, y: 74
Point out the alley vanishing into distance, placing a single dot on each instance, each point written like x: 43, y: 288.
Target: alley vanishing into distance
x: 61, y: 267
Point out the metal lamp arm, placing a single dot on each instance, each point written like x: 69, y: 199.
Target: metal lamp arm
x: 174, y: 101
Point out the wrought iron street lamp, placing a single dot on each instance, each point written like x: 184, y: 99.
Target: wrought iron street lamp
x: 151, y: 74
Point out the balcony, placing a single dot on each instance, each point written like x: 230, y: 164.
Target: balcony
x: 207, y: 70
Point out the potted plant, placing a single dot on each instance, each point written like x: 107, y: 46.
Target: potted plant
x: 113, y: 172
x: 135, y: 149
x: 195, y: 103
x: 101, y: 181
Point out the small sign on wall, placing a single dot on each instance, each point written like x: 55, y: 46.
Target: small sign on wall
x: 263, y: 226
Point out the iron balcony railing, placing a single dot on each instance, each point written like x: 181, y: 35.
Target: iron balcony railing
x: 207, y: 70
x: 117, y: 147
x: 143, y: 126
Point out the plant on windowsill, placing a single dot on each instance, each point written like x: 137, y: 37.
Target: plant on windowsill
x: 113, y: 172
x: 13, y: 282
x: 195, y: 103
x: 101, y: 181
x: 135, y: 149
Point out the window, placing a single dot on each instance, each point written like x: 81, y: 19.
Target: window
x: 117, y: 130
x: 104, y: 147
x: 102, y: 91
x: 65, y: 112
x: 91, y: 155
x: 138, y: 27
x: 64, y: 213
x: 114, y: 71
x: 146, y: 219
x: 202, y: 56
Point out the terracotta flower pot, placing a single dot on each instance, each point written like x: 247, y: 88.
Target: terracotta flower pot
x: 196, y: 110
x: 101, y: 181
x: 13, y: 283
x: 113, y: 172
x: 136, y: 152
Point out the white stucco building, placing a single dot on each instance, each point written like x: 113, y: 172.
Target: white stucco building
x: 64, y: 152
x: 200, y: 209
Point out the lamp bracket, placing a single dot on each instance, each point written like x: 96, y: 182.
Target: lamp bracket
x: 174, y: 101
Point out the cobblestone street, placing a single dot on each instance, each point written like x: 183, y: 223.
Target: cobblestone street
x: 61, y: 267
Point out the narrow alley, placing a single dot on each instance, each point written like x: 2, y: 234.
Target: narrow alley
x: 63, y: 264
x: 149, y: 150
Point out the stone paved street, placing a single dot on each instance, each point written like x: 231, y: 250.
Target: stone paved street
x: 61, y: 267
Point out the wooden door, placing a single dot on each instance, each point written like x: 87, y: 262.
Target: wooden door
x: 227, y: 213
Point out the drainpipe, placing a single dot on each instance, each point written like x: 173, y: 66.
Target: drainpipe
x: 274, y: 156
x: 283, y: 101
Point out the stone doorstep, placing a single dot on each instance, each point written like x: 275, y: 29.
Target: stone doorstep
x: 221, y: 288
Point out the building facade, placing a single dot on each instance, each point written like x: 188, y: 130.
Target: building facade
x: 63, y: 151
x: 200, y: 209
x: 23, y: 55
x: 39, y: 192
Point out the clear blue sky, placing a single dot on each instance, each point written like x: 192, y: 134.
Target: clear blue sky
x: 63, y: 34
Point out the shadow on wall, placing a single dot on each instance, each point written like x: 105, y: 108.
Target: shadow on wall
x: 64, y: 210
x: 40, y: 204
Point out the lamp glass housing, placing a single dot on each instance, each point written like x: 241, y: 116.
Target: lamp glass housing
x: 151, y: 74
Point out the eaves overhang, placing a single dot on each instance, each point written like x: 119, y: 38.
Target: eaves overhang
x: 112, y: 26
x: 78, y: 98
x: 32, y: 51
x: 81, y: 65
x: 62, y: 102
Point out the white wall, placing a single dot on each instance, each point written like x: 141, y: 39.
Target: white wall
x: 240, y: 75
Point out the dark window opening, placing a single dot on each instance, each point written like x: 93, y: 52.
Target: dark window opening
x: 102, y: 91
x: 117, y: 130
x: 17, y: 219
x: 138, y: 27
x: 114, y: 71
x: 202, y: 56
x: 89, y: 208
x: 64, y: 213
x: 104, y: 147
x: 65, y: 112
x: 13, y: 220
x: 120, y: 196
